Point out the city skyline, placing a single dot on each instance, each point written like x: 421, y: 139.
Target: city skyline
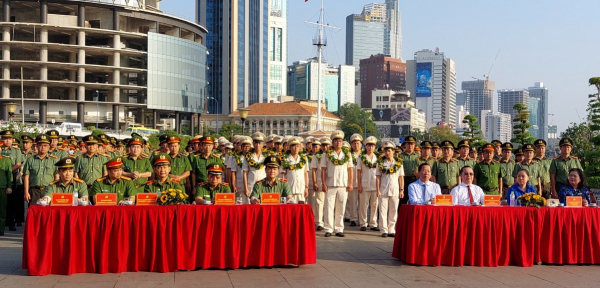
x: 473, y: 44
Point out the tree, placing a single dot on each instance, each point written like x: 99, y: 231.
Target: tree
x: 230, y: 129
x: 581, y: 135
x: 520, y: 129
x: 97, y: 132
x: 441, y: 133
x: 473, y: 133
x: 353, y: 117
x: 154, y: 141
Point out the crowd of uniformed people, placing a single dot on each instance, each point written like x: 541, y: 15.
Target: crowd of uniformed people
x: 355, y: 181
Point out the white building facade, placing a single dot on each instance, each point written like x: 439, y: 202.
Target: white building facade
x: 496, y: 126
x: 277, y: 49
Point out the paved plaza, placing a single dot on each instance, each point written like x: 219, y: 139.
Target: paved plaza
x: 361, y: 259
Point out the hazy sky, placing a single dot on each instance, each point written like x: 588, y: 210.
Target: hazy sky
x: 540, y: 41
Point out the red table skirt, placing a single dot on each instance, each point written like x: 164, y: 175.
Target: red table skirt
x: 497, y: 236
x: 67, y: 240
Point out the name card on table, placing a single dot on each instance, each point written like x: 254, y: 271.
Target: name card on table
x: 62, y: 199
x: 443, y: 200
x: 270, y: 198
x: 574, y: 201
x: 491, y: 200
x: 146, y: 199
x: 224, y: 199
x: 105, y: 199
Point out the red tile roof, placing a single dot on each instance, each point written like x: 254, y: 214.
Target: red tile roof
x: 288, y: 108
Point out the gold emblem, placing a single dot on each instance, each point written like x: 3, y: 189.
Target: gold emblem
x: 106, y: 197
x: 68, y: 161
x: 162, y: 157
x: 118, y: 159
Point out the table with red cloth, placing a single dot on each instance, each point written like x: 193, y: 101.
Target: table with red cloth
x: 115, y: 239
x: 496, y: 236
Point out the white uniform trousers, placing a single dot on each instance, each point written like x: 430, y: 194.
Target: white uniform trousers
x: 352, y: 206
x: 388, y: 213
x: 298, y: 197
x: 239, y: 184
x: 316, y: 200
x: 335, y: 201
x: 368, y: 199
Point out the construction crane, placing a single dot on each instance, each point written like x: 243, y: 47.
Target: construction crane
x: 487, y: 76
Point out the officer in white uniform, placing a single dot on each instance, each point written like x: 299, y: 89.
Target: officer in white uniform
x: 367, y: 185
x: 390, y: 178
x: 254, y: 168
x: 337, y: 180
x: 315, y: 167
x: 296, y: 171
x: 352, y: 203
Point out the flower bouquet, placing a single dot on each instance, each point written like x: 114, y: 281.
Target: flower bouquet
x: 532, y: 200
x: 172, y: 197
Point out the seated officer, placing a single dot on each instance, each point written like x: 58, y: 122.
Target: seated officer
x: 115, y: 182
x: 66, y: 183
x: 271, y: 184
x: 162, y: 168
x: 214, y: 184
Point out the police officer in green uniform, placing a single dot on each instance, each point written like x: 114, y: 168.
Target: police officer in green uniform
x: 445, y: 171
x: 135, y: 166
x: 436, y: 151
x: 115, y: 182
x: 464, y: 147
x: 489, y: 173
x: 119, y: 149
x: 6, y: 184
x: 16, y: 158
x: 508, y: 165
x: 474, y: 154
x: 561, y: 165
x: 90, y: 166
x: 540, y: 157
x: 204, y: 159
x: 409, y: 162
x: 497, y: 150
x: 425, y: 156
x: 163, y: 147
x: 180, y: 163
x: 54, y: 149
x: 271, y: 184
x: 532, y: 166
x: 162, y: 182
x: 214, y: 185
x: 27, y: 150
x: 39, y: 170
x: 66, y: 183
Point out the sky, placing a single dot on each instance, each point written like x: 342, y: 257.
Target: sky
x: 539, y: 41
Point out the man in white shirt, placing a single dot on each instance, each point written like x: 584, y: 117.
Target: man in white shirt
x: 253, y: 166
x: 390, y: 177
x: 367, y: 185
x: 295, y: 169
x: 423, y: 190
x: 336, y: 176
x: 352, y: 203
x: 315, y: 167
x: 466, y: 193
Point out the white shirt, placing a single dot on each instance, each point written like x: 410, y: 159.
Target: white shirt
x: 239, y: 172
x: 460, y: 194
x: 253, y: 174
x: 420, y: 193
x: 368, y: 175
x: 389, y: 184
x: 337, y: 175
x: 355, y: 178
x: 315, y: 164
x: 295, y: 178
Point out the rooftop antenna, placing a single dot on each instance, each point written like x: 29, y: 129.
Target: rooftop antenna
x: 320, y: 41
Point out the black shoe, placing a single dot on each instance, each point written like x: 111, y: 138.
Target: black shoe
x: 392, y: 235
x: 363, y: 228
x: 375, y: 229
x: 319, y: 228
x: 352, y: 223
x: 1, y: 233
x: 12, y: 228
x: 339, y: 234
x: 384, y: 235
x: 327, y: 234
x: 19, y: 224
x: 346, y: 220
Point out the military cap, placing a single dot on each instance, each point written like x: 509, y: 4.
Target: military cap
x: 435, y: 145
x: 113, y: 140
x: 116, y: 162
x: 258, y: 137
x: 325, y: 141
x: 399, y: 148
x: 473, y: 149
x: 65, y: 163
x: 527, y: 147
x: 294, y: 141
x: 90, y: 139
x: 246, y: 140
x: 346, y: 144
x: 26, y: 138
x: 426, y: 145
x: 388, y: 144
x: 417, y: 148
x: 286, y: 138
x: 270, y: 138
x: 338, y: 134
x: 488, y: 147
x: 507, y: 146
x: 229, y: 145
x: 173, y: 139
x: 16, y: 141
x: 136, y: 135
x: 61, y: 139
x: 356, y: 137
x: 518, y: 151
x: 215, y: 169
x: 42, y: 138
x: 464, y: 143
x: 81, y: 143
x: 496, y: 142
x: 539, y: 142
x: 126, y: 141
x: 7, y: 134
x: 52, y: 133
x: 222, y: 141
x: 565, y: 142
x: 316, y: 142
x: 278, y: 139
x: 370, y: 140
x: 120, y: 143
x: 272, y: 161
x: 72, y: 138
x: 162, y: 159
x: 308, y: 139
x: 207, y: 140
x: 410, y: 139
x: 163, y: 138
x: 447, y: 144
x: 136, y: 141
x: 196, y: 139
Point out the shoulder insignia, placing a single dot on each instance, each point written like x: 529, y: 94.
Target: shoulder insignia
x: 557, y: 157
x: 144, y: 154
x: 203, y: 183
x: 282, y: 179
x: 126, y: 178
x: 52, y: 156
x: 156, y: 152
x: 78, y: 180
x: 105, y: 155
x: 260, y: 181
x: 150, y: 182
x: 574, y: 157
x: 53, y: 182
x: 173, y: 180
x: 224, y: 183
x: 185, y: 154
x: 101, y: 179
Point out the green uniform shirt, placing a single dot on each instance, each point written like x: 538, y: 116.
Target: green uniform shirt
x: 90, y: 168
x: 154, y: 186
x: 74, y: 185
x: 280, y: 186
x: 561, y: 166
x: 409, y: 162
x: 507, y: 168
x: 26, y: 155
x: 6, y: 174
x: 140, y: 165
x: 58, y: 153
x: 533, y: 168
x: 204, y: 189
x: 487, y: 175
x: 544, y: 169
x: 123, y: 187
x: 422, y: 160
x: 41, y: 171
x: 446, y: 172
x: 180, y: 164
x: 199, y: 166
x: 14, y: 154
x: 467, y: 161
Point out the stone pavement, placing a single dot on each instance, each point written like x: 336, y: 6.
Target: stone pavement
x: 361, y: 259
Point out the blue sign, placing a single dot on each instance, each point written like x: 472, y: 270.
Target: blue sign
x: 424, y: 82
x: 401, y: 140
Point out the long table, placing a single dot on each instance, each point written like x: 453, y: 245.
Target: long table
x: 497, y: 236
x: 67, y: 240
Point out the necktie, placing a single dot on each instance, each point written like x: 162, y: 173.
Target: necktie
x: 424, y: 193
x: 470, y: 194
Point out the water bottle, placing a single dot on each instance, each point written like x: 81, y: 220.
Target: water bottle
x: 158, y: 193
x: 75, y: 198
x: 512, y: 200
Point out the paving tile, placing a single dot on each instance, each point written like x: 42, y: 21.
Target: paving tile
x: 23, y: 280
x: 560, y: 277
x: 163, y: 278
x: 511, y: 276
x: 90, y: 278
x: 86, y: 285
x: 257, y: 278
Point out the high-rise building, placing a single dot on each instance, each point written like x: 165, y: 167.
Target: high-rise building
x: 237, y: 60
x: 393, y: 31
x: 496, y: 126
x: 277, y: 48
x: 534, y: 117
x: 431, y: 78
x: 461, y: 100
x: 461, y: 112
x: 395, y: 114
x: 380, y: 72
x: 540, y: 92
x: 478, y: 96
x: 507, y: 98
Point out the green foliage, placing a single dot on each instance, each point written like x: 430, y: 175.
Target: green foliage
x: 154, y: 141
x: 441, y: 133
x: 353, y: 121
x: 521, y: 135
x: 230, y: 129
x: 97, y: 132
x: 474, y: 131
x: 90, y: 128
x: 593, y: 182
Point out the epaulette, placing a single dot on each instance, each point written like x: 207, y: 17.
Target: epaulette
x: 203, y: 183
x: 126, y: 178
x: 78, y: 180
x: 105, y: 155
x: 224, y: 183
x: 144, y: 156
x: 55, y: 157
x: 150, y: 182
x: 260, y: 181
x: 185, y: 154
x: 173, y: 180
x: 156, y: 152
x: 574, y: 157
x: 557, y: 157
x: 282, y: 179
x: 53, y: 182
x: 101, y: 179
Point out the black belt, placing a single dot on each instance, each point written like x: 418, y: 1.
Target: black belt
x: 37, y: 187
